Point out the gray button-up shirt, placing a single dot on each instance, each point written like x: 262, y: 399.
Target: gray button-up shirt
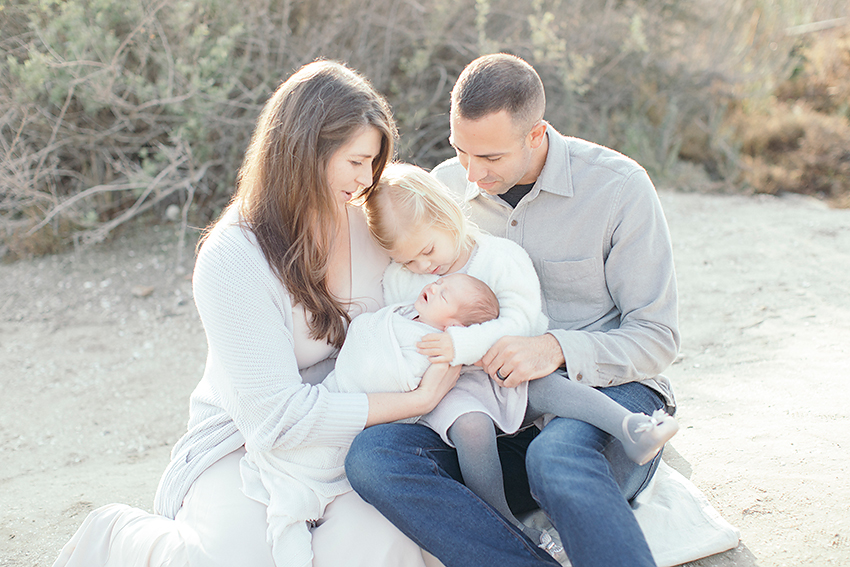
x: 598, y: 239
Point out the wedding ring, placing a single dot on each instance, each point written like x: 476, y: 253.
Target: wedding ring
x: 499, y: 375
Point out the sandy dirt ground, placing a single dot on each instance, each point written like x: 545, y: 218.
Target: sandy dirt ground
x: 101, y: 348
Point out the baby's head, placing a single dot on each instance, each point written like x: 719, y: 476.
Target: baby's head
x: 456, y: 300
x: 415, y: 219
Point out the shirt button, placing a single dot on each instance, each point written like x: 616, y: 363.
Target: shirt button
x: 514, y: 223
x: 579, y: 377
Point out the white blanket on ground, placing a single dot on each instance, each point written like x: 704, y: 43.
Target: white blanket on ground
x: 676, y: 518
x: 679, y: 523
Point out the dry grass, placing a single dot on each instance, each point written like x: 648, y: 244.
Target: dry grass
x: 110, y: 110
x: 799, y: 139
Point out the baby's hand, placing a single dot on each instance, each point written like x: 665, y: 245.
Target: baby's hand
x: 437, y: 347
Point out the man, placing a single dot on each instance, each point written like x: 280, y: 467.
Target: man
x: 591, y: 221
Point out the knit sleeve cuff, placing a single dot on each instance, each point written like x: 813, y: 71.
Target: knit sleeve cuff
x: 345, y: 417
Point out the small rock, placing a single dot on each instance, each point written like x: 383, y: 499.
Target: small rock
x: 142, y: 290
x: 172, y: 213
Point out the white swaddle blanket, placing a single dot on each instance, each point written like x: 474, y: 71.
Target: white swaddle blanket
x: 379, y: 354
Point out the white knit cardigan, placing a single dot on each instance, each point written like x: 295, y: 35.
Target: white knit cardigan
x: 251, y: 392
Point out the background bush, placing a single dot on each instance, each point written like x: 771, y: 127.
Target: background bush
x: 113, y: 109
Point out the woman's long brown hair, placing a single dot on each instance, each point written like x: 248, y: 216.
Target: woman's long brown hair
x: 282, y: 188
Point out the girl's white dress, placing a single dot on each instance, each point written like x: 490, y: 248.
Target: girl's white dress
x: 507, y: 269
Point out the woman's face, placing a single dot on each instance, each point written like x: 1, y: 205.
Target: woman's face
x: 350, y: 168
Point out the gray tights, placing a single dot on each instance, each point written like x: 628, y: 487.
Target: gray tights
x: 474, y: 434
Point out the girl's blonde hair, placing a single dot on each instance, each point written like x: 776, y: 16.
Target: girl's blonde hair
x: 406, y: 200
x: 283, y: 192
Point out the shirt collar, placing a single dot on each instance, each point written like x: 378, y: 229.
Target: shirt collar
x: 555, y: 176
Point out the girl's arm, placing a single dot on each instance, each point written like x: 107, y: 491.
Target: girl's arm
x: 507, y: 269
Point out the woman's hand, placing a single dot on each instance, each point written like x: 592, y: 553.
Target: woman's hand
x: 436, y: 383
x: 392, y: 406
x: 438, y: 347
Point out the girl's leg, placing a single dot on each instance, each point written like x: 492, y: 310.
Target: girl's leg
x: 642, y: 436
x: 474, y: 436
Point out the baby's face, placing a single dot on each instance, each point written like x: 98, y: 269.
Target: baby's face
x: 428, y: 251
x: 439, y: 303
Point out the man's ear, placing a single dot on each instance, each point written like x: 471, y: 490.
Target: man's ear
x: 537, y: 134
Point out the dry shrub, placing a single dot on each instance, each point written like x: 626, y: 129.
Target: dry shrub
x: 822, y: 79
x: 110, y: 110
x: 793, y: 148
x: 799, y: 140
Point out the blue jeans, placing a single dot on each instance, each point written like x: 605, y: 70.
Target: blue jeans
x: 578, y: 474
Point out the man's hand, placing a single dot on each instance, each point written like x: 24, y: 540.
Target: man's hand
x: 520, y: 359
x: 437, y: 347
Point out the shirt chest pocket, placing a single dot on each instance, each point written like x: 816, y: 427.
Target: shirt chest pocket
x: 574, y: 290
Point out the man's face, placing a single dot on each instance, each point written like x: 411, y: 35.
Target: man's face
x: 493, y: 150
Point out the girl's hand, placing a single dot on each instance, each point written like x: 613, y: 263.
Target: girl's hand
x: 437, y: 347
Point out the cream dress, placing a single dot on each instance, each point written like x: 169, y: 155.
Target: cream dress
x: 217, y: 525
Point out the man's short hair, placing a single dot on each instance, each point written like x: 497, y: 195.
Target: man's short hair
x: 497, y: 82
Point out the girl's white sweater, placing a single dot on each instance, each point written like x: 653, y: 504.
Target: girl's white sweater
x: 506, y: 268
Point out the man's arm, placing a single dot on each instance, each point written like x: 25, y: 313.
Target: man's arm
x: 641, y: 280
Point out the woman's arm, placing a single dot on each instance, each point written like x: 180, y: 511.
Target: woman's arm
x: 251, y: 368
x: 507, y: 269
x: 435, y: 383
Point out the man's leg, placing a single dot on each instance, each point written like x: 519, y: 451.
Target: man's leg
x: 583, y: 480
x: 412, y: 477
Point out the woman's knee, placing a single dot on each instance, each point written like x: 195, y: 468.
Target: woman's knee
x: 354, y: 533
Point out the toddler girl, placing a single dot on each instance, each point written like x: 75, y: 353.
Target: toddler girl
x: 414, y: 218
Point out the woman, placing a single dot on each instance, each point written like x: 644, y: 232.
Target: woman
x: 277, y: 279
